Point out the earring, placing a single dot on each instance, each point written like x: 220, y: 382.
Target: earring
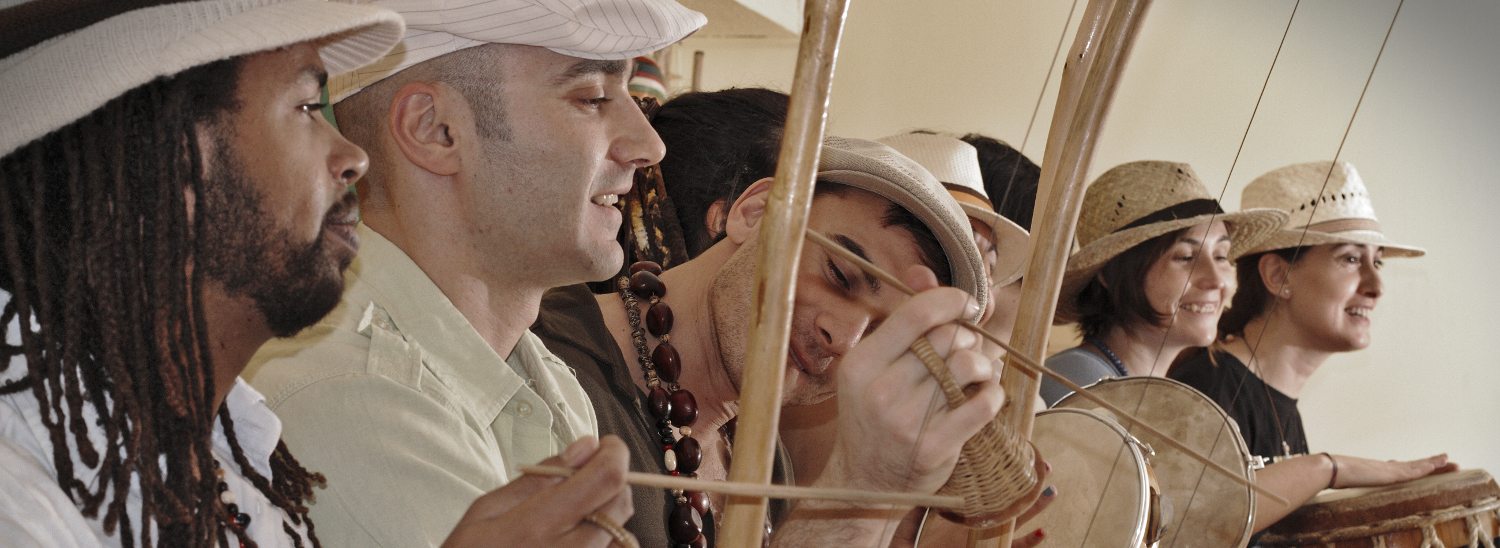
x: 1286, y: 292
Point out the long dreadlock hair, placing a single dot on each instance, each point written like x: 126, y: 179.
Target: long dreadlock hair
x: 98, y: 259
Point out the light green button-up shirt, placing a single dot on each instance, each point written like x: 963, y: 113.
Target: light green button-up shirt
x: 407, y: 410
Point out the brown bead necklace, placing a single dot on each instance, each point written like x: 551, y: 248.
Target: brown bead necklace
x: 667, y: 401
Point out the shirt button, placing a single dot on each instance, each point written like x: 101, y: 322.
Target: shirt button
x: 523, y: 409
x: 383, y: 323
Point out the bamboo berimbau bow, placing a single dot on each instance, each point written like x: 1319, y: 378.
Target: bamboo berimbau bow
x: 779, y: 248
x: 1093, y: 67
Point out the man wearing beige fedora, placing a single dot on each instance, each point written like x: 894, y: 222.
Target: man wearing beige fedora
x: 663, y: 357
x: 499, y: 132
x: 170, y: 198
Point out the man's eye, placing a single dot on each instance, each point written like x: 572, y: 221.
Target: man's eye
x: 838, y: 275
x: 313, y: 108
x: 596, y: 102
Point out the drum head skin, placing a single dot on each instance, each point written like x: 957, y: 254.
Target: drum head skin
x: 1202, y: 507
x: 1100, y: 477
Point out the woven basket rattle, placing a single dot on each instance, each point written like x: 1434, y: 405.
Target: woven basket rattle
x: 998, y: 475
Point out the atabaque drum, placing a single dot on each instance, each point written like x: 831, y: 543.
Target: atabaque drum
x: 1102, y: 479
x: 1201, y: 507
x: 1439, y: 511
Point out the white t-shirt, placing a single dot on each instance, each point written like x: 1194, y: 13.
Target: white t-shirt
x: 35, y: 511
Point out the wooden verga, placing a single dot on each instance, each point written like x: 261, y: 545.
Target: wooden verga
x: 1091, y: 73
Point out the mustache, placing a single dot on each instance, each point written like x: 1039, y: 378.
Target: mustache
x: 346, y: 210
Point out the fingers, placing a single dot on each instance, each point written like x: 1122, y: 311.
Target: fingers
x: 1029, y: 540
x: 605, y: 526
x: 1048, y: 495
x: 602, y: 474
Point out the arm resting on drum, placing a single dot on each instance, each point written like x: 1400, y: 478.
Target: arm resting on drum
x: 1298, y: 479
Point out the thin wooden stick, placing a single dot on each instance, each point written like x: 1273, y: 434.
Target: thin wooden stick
x: 1027, y: 364
x: 779, y: 248
x: 764, y: 490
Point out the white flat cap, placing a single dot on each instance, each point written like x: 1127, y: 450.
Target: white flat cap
x: 588, y: 29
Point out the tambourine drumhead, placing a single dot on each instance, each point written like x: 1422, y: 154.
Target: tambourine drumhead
x: 1100, y: 477
x: 1450, y: 504
x: 1202, y: 507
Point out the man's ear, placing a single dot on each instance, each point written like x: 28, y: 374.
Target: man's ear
x: 421, y: 121
x: 744, y: 216
x: 715, y: 219
x: 1273, y: 273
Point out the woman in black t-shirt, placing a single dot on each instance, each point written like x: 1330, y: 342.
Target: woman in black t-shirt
x: 1304, y: 294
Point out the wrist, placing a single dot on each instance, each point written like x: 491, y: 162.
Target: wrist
x: 1333, y: 477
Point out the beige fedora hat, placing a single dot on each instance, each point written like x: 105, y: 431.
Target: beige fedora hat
x: 955, y: 164
x: 1332, y: 212
x: 871, y: 166
x: 587, y: 29
x: 60, y: 61
x: 1138, y: 201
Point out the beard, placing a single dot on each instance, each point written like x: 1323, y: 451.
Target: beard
x: 292, y: 284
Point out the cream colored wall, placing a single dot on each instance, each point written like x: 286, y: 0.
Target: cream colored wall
x: 1425, y: 140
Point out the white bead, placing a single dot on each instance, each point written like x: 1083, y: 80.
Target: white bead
x: 226, y: 497
x: 685, y: 430
x: 670, y: 457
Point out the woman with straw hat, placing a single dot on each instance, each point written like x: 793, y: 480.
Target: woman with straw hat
x: 1152, y: 272
x: 1154, y: 269
x: 1305, y: 294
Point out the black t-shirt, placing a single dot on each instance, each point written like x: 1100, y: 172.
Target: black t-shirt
x: 1253, y: 404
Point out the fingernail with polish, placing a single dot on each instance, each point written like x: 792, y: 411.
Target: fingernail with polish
x: 1049, y: 491
x: 1039, y: 533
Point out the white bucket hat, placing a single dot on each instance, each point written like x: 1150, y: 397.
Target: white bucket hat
x: 51, y: 80
x: 1138, y: 201
x: 956, y: 164
x: 588, y: 29
x: 1340, y: 214
x: 874, y: 167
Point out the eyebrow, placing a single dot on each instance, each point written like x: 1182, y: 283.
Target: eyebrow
x: 870, y: 280
x: 315, y: 73
x: 587, y: 67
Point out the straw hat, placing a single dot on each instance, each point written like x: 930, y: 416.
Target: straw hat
x: 587, y: 29
x: 54, y: 74
x: 956, y: 164
x: 1138, y: 201
x: 1340, y: 214
x: 871, y: 166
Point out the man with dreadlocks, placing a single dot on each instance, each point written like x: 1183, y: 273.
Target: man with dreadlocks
x: 170, y: 199
x: 500, y: 133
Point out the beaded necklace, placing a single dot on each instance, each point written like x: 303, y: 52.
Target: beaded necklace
x: 1113, y: 359
x: 668, y: 402
x: 236, y: 517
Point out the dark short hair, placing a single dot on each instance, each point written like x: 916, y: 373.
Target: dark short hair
x: 1253, y: 298
x: 1010, y: 178
x: 718, y: 143
x: 929, y: 249
x: 1120, y: 298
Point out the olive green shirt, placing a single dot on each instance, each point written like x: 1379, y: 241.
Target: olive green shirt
x: 407, y: 410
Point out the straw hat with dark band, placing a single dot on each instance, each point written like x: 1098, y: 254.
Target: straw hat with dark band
x: 1335, y: 212
x: 871, y: 166
x: 89, y: 52
x: 1138, y: 201
x: 956, y: 164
